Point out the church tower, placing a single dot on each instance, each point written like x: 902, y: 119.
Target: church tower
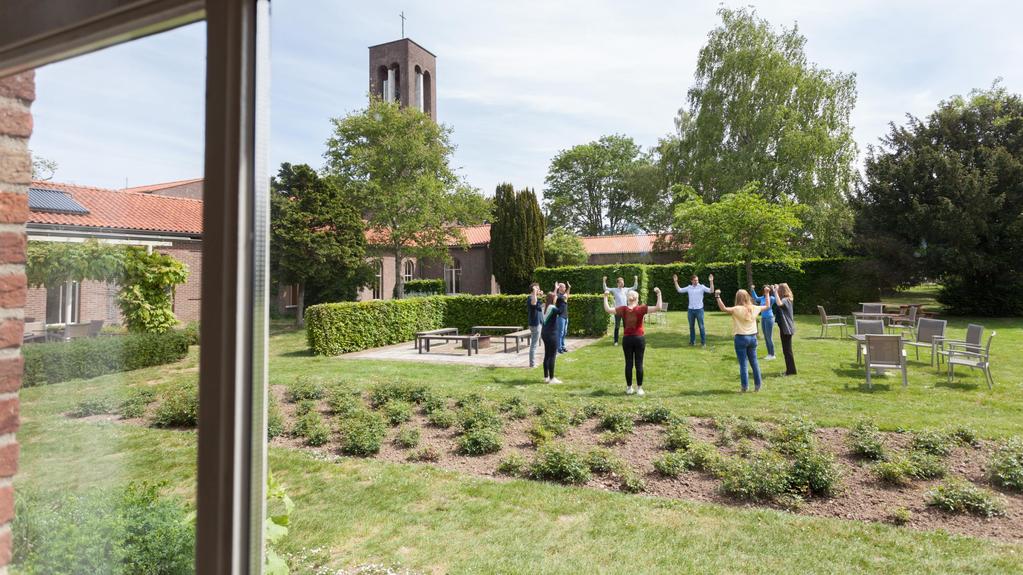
x: 404, y: 72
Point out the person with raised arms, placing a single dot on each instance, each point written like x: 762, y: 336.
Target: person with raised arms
x: 766, y: 319
x: 634, y: 340
x: 534, y: 313
x: 744, y: 329
x: 695, y: 290
x: 620, y: 295
x: 563, y: 290
x: 553, y: 309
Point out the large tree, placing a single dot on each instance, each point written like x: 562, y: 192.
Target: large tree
x: 590, y: 188
x: 943, y: 199
x: 394, y: 163
x: 563, y: 248
x: 742, y: 226
x: 317, y: 235
x: 759, y: 111
x: 516, y: 238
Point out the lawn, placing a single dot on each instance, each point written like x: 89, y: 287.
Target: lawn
x: 358, y: 511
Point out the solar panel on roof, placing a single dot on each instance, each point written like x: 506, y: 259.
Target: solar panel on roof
x: 54, y: 201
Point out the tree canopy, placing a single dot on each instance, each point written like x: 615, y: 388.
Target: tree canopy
x: 759, y: 111
x: 393, y: 163
x: 943, y: 199
x: 516, y: 238
x: 563, y: 248
x: 316, y: 235
x: 741, y: 226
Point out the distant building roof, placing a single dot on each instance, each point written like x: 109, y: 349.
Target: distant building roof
x: 157, y: 187
x: 620, y: 244
x: 113, y: 209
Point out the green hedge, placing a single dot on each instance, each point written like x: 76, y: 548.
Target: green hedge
x: 336, y: 328
x: 425, y: 287
x: 587, y: 279
x: 95, y: 356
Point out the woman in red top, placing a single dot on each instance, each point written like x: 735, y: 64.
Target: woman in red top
x: 634, y: 342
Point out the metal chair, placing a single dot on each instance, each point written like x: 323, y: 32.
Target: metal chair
x: 885, y: 352
x: 827, y: 321
x: 974, y: 360
x: 907, y: 321
x: 866, y: 327
x: 928, y: 331
x: 34, y: 331
x: 974, y: 335
x: 873, y: 308
x: 95, y: 326
x: 660, y: 316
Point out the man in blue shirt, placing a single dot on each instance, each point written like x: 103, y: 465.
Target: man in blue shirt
x: 766, y: 319
x: 534, y: 311
x: 695, y: 290
x: 563, y: 291
x: 620, y: 295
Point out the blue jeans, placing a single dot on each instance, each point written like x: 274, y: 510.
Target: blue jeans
x: 746, y: 350
x: 767, y: 322
x: 694, y: 316
x: 562, y: 330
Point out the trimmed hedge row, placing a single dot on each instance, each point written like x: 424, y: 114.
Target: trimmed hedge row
x: 838, y: 284
x: 425, y: 287
x: 335, y: 328
x: 587, y: 279
x: 85, y: 358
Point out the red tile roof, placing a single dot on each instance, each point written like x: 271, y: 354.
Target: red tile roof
x: 163, y: 186
x: 124, y: 210
x: 621, y: 244
x: 475, y: 235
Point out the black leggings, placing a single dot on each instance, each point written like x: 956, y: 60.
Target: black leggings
x: 786, y: 348
x: 634, y: 346
x: 550, y: 352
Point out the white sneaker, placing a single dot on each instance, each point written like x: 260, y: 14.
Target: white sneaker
x: 628, y: 390
x: 546, y: 380
x: 639, y: 391
x: 616, y: 343
x: 554, y: 380
x: 770, y: 358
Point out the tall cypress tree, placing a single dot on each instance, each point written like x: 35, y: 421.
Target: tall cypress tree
x: 516, y: 238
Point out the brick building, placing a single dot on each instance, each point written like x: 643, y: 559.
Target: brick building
x: 167, y: 224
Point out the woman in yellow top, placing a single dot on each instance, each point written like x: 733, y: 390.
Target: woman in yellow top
x: 744, y: 327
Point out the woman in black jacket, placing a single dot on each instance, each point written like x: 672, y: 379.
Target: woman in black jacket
x: 786, y: 324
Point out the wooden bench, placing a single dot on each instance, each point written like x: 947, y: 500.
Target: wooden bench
x: 471, y: 341
x: 518, y: 336
x: 441, y: 331
x: 482, y: 328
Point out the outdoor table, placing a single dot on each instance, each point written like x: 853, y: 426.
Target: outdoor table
x: 479, y: 328
x: 441, y: 331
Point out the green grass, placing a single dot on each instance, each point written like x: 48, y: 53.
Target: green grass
x: 363, y: 511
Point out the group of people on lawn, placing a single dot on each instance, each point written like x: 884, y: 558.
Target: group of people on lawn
x: 548, y: 322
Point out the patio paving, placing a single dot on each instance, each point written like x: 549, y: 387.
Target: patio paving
x: 493, y: 356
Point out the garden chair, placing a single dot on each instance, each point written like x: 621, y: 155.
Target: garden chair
x: 831, y: 321
x: 78, y: 330
x: 866, y: 327
x: 34, y: 331
x: 660, y: 316
x: 95, y: 326
x: 873, y: 308
x: 885, y: 352
x: 974, y: 360
x: 928, y: 332
x: 903, y: 322
x: 974, y: 335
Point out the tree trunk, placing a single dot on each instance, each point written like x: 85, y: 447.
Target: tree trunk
x: 300, y: 309
x: 749, y: 273
x: 399, y: 282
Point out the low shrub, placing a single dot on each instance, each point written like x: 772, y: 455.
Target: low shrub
x: 603, y: 461
x: 958, y: 496
x: 934, y: 442
x: 631, y: 482
x: 897, y: 471
x: 704, y: 456
x: 86, y: 358
x: 577, y: 418
x: 673, y: 464
x: 558, y: 462
x: 303, y: 388
x: 745, y: 448
x: 513, y: 403
x: 814, y: 474
x: 342, y: 400
x: 655, y: 414
x: 178, y: 406
x: 433, y: 403
x: 926, y: 466
x: 594, y: 409
x: 793, y: 435
x: 426, y: 453
x: 964, y: 435
x: 677, y: 437
x: 865, y: 440
x: 479, y: 416
x: 92, y: 406
x: 362, y: 433
x: 274, y: 419
x: 748, y: 428
x: 305, y: 406
x: 442, y: 418
x: 312, y: 428
x: 734, y: 428
x: 900, y: 516
x: 538, y: 434
x: 137, y: 401
x: 480, y: 441
x: 424, y: 287
x: 514, y: 464
x: 383, y: 393
x: 1006, y: 465
x: 762, y: 477
x: 556, y: 420
x: 471, y: 399
x: 614, y: 437
x: 407, y: 438
x: 617, y: 421
x: 397, y: 411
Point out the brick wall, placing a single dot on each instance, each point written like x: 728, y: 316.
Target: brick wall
x: 16, y: 95
x: 187, y: 295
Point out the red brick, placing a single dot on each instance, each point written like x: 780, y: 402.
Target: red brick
x: 9, y: 459
x: 21, y: 86
x: 12, y: 248
x: 13, y: 289
x: 13, y: 208
x: 12, y: 331
x: 10, y: 373
x: 9, y: 416
x: 15, y: 122
x: 6, y: 504
x: 5, y: 548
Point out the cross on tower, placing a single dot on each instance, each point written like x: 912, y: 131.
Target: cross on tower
x: 402, y: 23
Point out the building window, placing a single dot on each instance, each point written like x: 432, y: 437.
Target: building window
x: 56, y: 303
x: 427, y: 95
x: 382, y: 76
x: 378, y: 281
x: 291, y: 296
x: 453, y: 276
x: 408, y: 272
x: 419, y: 89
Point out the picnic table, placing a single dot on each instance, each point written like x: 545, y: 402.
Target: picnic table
x: 441, y: 331
x: 470, y: 341
x: 886, y: 317
x: 514, y: 333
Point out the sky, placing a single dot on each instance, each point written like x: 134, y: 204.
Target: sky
x: 516, y: 81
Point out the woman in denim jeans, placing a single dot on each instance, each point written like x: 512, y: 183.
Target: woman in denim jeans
x: 744, y: 328
x: 766, y: 319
